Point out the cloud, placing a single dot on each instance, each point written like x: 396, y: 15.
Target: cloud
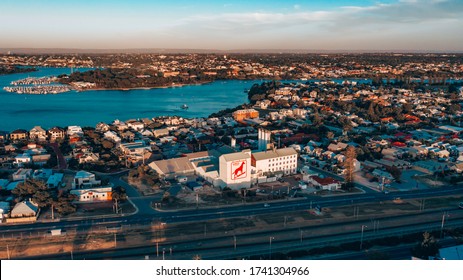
x: 408, y: 11
x: 381, y: 23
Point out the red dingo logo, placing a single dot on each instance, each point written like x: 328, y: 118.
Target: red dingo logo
x: 238, y: 170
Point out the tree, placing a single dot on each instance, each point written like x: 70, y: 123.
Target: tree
x: 317, y: 120
x: 426, y: 248
x: 63, y: 204
x: 107, y: 144
x: 29, y: 187
x: 119, y: 194
x: 42, y: 198
x: 395, y: 172
x: 330, y: 135
x: 351, y: 155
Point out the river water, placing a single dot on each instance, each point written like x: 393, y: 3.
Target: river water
x: 90, y: 107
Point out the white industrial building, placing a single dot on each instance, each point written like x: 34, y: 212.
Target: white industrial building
x: 235, y: 170
x: 264, y: 137
x: 280, y: 160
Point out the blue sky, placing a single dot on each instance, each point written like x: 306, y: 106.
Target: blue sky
x: 310, y: 24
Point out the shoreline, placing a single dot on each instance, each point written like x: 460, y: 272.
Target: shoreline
x: 143, y: 88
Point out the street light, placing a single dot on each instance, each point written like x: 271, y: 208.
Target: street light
x: 234, y: 242
x: 361, y: 236
x: 163, y: 253
x: 270, y: 246
x: 443, y: 222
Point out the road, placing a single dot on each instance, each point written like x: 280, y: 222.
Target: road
x: 145, y: 214
x: 62, y: 164
x: 266, y: 243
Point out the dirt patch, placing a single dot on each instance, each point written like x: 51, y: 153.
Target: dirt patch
x: 142, y: 188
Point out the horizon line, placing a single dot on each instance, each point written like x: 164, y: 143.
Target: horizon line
x: 212, y: 51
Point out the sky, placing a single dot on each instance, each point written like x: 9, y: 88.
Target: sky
x: 370, y: 25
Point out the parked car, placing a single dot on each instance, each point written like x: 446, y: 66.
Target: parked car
x: 460, y: 205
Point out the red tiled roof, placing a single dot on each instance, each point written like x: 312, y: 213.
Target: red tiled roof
x: 325, y: 181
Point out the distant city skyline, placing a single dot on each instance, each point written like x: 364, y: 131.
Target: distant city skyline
x: 407, y: 25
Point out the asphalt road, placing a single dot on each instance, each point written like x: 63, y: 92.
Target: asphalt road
x: 146, y: 214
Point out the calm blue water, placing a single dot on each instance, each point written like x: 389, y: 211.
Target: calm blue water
x: 90, y: 107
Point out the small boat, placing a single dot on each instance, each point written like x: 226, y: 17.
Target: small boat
x: 184, y: 106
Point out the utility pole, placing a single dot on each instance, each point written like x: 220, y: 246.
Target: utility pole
x: 270, y: 247
x: 300, y: 230
x: 442, y: 225
x: 205, y: 230
x: 115, y: 241
x: 8, y: 251
x: 72, y: 256
x: 361, y: 237
x: 52, y: 212
x: 163, y: 253
x: 234, y: 242
x: 157, y: 249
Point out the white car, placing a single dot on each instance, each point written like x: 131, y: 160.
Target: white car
x: 266, y: 205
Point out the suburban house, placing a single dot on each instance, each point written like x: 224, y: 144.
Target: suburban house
x: 3, y: 136
x: 24, y: 211
x: 85, y: 180
x: 338, y: 147
x: 328, y: 183
x: 112, y: 136
x: 101, y: 127
x: 56, y: 133
x: 22, y: 160
x: 4, y: 210
x: 18, y: 134
x: 138, y: 126
x: 88, y: 189
x: 38, y: 133
x: 54, y: 181
x: 74, y: 129
x: 160, y: 132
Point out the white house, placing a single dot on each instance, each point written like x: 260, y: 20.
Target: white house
x: 85, y: 180
x: 328, y: 183
x: 112, y: 136
x: 93, y: 194
x: 22, y: 160
x: 4, y: 210
x: 101, y: 127
x: 38, y: 133
x: 138, y: 126
x: 74, y: 129
x: 88, y: 189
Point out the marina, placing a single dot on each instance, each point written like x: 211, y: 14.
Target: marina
x: 42, y: 89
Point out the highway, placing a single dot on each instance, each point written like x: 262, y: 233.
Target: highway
x: 146, y: 215
x: 245, y: 245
